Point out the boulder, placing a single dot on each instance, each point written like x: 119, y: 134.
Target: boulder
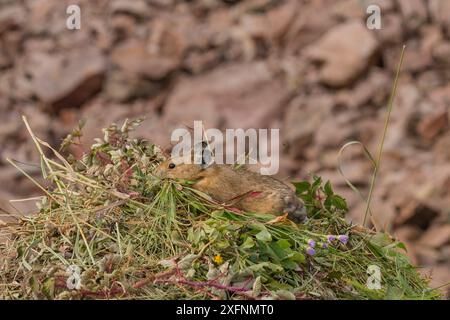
x: 67, y: 80
x: 346, y: 52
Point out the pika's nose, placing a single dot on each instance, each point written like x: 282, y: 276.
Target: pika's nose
x: 158, y: 172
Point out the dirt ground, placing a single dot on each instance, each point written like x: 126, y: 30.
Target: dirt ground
x: 311, y: 68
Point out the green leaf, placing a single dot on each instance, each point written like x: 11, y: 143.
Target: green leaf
x: 289, y: 264
x: 339, y: 202
x: 276, y: 252
x: 20, y: 252
x: 264, y: 236
x: 381, y: 239
x: 223, y: 244
x: 328, y: 189
x: 301, y: 187
x: 284, y: 244
x: 33, y: 283
x: 401, y: 245
x: 394, y: 245
x: 316, y: 184
x: 258, y: 226
x: 284, y: 295
x: 298, y: 257
x: 195, y: 236
x: 248, y: 243
x: 394, y: 293
x: 334, y: 275
x: 48, y: 288
x: 263, y: 265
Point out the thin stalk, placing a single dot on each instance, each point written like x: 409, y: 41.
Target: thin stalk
x: 383, y: 137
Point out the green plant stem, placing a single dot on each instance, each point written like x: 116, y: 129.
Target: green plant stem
x: 383, y: 137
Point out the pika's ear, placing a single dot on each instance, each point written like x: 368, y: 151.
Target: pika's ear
x: 203, y: 154
x: 200, y: 146
x: 207, y: 158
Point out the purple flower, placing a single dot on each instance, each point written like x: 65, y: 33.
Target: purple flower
x: 324, y: 245
x: 311, y: 243
x: 331, y: 238
x: 343, y: 238
x: 310, y: 251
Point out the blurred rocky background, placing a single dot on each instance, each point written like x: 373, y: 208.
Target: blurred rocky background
x: 311, y: 68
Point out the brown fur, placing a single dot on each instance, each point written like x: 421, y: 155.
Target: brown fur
x: 246, y: 190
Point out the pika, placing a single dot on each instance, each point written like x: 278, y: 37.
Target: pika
x: 247, y: 190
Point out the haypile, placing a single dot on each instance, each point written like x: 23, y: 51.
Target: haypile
x: 107, y: 228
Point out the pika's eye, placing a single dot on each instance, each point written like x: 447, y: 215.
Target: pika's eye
x: 171, y: 165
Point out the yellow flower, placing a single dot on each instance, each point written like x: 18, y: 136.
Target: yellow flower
x: 218, y: 259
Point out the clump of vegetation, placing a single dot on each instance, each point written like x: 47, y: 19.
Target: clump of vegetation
x: 107, y: 228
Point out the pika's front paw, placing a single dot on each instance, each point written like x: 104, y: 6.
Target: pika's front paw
x: 296, y: 210
x: 299, y: 215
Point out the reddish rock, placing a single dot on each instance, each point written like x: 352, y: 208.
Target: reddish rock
x: 123, y: 27
x: 161, y: 3
x: 311, y: 113
x: 391, y: 31
x: 136, y: 57
x: 122, y: 86
x: 137, y: 8
x: 46, y: 17
x: 429, y: 80
x: 441, y: 53
x: 404, y: 117
x: 430, y: 126
x: 309, y: 26
x: 226, y: 98
x: 436, y: 236
x: 67, y: 80
x: 374, y: 89
x: 346, y: 52
x: 255, y: 26
x: 200, y: 61
x: 416, y: 214
x: 11, y: 17
x: 281, y: 18
x: 425, y: 256
x: 383, y: 213
x: 332, y: 131
x: 348, y: 9
x: 414, y: 13
x: 419, y: 51
x: 442, y: 148
x: 407, y: 233
x: 416, y: 59
x: 431, y: 37
x: 440, y: 13
x: 385, y: 5
x: 5, y: 60
x: 440, y: 275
